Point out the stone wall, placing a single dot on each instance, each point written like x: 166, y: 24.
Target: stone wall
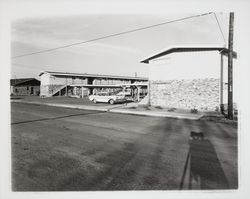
x: 202, y: 94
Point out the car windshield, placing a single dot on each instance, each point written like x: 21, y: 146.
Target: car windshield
x: 109, y: 93
x: 104, y: 94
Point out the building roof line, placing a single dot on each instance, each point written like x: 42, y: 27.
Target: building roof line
x: 19, y: 81
x: 176, y: 49
x: 91, y: 75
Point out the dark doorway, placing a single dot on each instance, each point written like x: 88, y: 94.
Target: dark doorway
x: 31, y: 90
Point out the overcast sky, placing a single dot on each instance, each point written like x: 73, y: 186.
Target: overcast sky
x: 120, y: 55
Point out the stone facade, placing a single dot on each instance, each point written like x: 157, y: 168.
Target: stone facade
x: 201, y: 94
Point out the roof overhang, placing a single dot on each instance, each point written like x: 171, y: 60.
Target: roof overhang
x: 95, y: 86
x: 107, y: 86
x: 221, y: 50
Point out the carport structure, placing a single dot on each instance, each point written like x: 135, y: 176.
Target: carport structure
x: 179, y: 49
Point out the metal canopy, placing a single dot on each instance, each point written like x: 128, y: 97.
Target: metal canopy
x: 221, y: 50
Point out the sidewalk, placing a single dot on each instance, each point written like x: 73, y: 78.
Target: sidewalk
x: 134, y: 109
x: 129, y: 108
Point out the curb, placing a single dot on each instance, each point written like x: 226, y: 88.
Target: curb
x: 154, y: 114
x: 64, y: 106
x: 114, y: 110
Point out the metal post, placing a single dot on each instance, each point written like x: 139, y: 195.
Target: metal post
x: 123, y: 90
x: 82, y: 91
x: 149, y: 103
x: 66, y: 90
x: 138, y: 93
x: 230, y: 66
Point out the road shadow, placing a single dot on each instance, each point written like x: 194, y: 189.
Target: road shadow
x: 16, y: 98
x: 56, y: 118
x: 202, y: 168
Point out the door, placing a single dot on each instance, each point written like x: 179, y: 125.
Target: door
x: 31, y: 90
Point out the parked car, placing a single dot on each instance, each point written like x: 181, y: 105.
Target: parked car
x: 107, y: 97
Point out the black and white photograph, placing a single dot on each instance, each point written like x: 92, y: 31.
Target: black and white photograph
x: 118, y: 99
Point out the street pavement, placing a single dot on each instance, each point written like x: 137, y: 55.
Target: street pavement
x: 61, y: 149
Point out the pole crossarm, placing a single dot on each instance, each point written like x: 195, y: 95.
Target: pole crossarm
x: 225, y: 52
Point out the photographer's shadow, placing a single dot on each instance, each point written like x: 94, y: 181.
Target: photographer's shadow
x: 203, y: 169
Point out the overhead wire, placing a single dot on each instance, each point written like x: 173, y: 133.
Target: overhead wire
x: 109, y: 36
x: 218, y: 23
x: 17, y: 64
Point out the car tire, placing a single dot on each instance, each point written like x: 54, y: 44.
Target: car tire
x: 94, y: 100
x: 111, y: 101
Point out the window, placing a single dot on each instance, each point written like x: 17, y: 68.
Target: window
x: 27, y: 88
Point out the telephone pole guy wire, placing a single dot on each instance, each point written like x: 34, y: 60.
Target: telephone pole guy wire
x: 218, y: 23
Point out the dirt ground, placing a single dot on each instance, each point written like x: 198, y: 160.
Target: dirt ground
x: 58, y: 149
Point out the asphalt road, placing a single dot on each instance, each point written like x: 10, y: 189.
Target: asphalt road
x: 58, y: 149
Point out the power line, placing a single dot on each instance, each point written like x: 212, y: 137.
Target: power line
x: 220, y: 28
x: 21, y: 74
x: 112, y: 35
x: 17, y: 64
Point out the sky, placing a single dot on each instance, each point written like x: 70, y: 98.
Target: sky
x: 119, y: 55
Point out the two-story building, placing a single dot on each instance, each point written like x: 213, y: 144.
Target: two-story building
x: 83, y: 84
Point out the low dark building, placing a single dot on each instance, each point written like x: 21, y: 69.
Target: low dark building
x: 25, y: 86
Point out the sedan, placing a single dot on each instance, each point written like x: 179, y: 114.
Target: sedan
x: 107, y: 97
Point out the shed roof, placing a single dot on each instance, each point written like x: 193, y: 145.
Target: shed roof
x: 15, y: 82
x: 92, y: 75
x: 177, y: 49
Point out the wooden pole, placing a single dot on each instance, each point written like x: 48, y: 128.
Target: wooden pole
x: 221, y: 84
x: 230, y: 66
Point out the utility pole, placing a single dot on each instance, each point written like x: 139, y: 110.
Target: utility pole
x: 221, y: 84
x: 230, y: 66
